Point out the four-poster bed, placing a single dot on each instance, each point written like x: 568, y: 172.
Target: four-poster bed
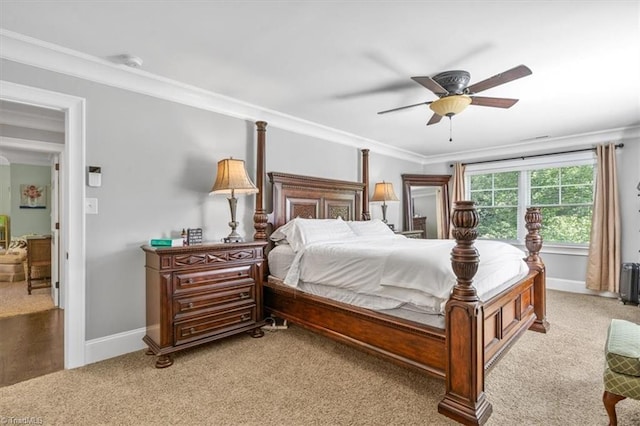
x: 472, y: 336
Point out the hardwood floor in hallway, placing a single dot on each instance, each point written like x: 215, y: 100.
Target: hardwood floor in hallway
x: 31, y: 345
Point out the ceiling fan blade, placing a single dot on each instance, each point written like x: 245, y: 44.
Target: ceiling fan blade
x: 405, y: 107
x: 493, y: 102
x: 430, y: 84
x: 435, y: 118
x: 390, y: 87
x: 498, y: 79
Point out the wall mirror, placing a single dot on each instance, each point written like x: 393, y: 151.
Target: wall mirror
x: 426, y: 204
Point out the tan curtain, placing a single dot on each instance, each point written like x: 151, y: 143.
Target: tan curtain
x: 457, y: 187
x: 603, y: 263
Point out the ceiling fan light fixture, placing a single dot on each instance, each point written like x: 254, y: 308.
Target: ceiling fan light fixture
x: 450, y: 105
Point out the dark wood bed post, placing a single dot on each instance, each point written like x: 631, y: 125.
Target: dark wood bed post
x: 464, y: 400
x: 260, y: 215
x: 365, y: 180
x: 533, y: 241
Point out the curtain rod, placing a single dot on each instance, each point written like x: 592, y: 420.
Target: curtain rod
x: 620, y: 145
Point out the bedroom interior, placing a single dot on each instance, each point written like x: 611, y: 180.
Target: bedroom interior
x: 175, y: 126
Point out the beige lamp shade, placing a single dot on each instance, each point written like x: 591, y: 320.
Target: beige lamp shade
x: 384, y: 192
x: 232, y: 178
x: 450, y: 105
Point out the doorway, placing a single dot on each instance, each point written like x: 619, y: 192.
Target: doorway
x: 71, y: 194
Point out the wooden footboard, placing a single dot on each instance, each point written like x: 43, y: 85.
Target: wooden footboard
x: 403, y: 342
x: 506, y: 316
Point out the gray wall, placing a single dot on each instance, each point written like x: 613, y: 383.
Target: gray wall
x: 5, y: 187
x: 158, y: 162
x: 628, y: 160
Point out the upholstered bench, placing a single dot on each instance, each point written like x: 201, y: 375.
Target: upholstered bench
x: 622, y: 369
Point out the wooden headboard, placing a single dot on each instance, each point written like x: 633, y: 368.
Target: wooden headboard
x: 306, y: 196
x: 316, y: 198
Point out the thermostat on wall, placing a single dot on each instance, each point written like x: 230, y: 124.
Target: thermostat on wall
x: 94, y: 176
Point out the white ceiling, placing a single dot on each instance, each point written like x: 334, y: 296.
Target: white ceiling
x: 317, y: 59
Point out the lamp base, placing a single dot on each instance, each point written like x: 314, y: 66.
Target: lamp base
x: 233, y: 239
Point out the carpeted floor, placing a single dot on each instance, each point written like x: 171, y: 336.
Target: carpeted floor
x: 294, y: 377
x: 15, y: 300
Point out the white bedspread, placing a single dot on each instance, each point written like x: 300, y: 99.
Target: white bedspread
x: 413, y: 271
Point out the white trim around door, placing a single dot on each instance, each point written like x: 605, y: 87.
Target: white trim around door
x: 72, y: 191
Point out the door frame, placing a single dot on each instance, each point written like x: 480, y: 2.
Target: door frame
x: 73, y: 223
x: 55, y: 225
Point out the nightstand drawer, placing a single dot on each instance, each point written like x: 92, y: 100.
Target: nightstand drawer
x: 224, y: 296
x: 211, y: 257
x: 186, y: 282
x: 201, y: 327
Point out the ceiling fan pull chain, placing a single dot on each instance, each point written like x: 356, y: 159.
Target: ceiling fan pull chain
x: 450, y: 130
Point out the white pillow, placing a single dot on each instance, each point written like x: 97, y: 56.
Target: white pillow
x: 370, y: 228
x: 280, y: 234
x: 300, y: 232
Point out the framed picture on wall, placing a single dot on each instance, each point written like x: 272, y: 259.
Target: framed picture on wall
x: 33, y: 196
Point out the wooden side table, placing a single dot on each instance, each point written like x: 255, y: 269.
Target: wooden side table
x: 201, y: 293
x: 412, y: 234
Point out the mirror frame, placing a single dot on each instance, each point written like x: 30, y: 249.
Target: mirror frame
x: 441, y: 181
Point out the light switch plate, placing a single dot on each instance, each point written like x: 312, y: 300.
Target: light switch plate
x: 91, y: 206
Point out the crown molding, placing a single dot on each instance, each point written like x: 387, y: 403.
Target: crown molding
x: 30, y: 120
x: 27, y: 151
x: 30, y: 51
x: 541, y: 146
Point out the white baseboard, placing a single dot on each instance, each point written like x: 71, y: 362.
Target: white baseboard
x: 573, y: 286
x: 131, y: 341
x: 114, y: 345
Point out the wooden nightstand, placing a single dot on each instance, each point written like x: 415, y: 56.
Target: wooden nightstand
x: 201, y: 293
x: 411, y: 234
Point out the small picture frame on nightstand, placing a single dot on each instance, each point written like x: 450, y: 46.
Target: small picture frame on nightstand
x: 194, y: 236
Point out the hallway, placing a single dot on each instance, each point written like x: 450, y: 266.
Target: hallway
x: 31, y: 345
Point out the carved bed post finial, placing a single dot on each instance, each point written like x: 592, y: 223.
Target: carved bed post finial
x: 260, y: 216
x: 533, y: 241
x: 365, y: 180
x: 464, y: 256
x: 464, y: 400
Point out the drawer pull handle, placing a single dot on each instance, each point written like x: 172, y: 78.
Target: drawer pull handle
x: 245, y: 317
x: 190, y: 281
x: 190, y: 305
x: 244, y: 295
x: 192, y: 330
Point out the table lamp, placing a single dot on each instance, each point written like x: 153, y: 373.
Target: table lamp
x: 232, y: 179
x: 384, y: 192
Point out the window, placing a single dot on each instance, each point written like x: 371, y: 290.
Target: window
x: 562, y: 188
x: 496, y: 197
x: 565, y: 195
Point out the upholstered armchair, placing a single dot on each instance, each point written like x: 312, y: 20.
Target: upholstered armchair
x: 622, y: 369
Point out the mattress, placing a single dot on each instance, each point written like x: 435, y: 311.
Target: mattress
x: 393, y: 272
x: 376, y: 303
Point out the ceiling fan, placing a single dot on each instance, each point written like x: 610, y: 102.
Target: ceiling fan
x: 454, y: 94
